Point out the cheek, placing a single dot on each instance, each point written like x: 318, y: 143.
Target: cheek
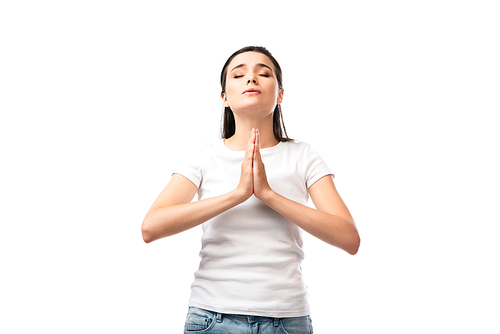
x: 274, y: 96
x: 231, y: 91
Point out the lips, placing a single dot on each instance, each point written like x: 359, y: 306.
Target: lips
x: 251, y: 91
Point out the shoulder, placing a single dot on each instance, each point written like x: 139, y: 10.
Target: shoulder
x: 295, y: 144
x: 299, y: 151
x: 195, y: 154
x: 298, y: 147
x: 308, y: 159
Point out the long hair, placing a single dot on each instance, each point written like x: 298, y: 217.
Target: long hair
x: 228, y: 126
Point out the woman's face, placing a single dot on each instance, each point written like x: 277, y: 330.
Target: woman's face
x: 251, y: 84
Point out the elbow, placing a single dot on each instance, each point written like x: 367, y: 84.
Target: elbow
x: 147, y: 239
x: 351, y: 243
x: 354, y: 241
x: 147, y: 236
x: 354, y: 246
x: 353, y: 250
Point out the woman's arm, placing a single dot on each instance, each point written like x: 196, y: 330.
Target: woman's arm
x: 173, y: 212
x: 331, y: 221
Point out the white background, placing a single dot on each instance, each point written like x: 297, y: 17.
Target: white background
x: 99, y: 98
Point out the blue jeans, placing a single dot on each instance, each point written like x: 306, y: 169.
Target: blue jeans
x: 200, y: 321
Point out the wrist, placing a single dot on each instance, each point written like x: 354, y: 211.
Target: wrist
x: 238, y: 196
x: 267, y: 196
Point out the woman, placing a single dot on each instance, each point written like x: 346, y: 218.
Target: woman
x: 249, y: 279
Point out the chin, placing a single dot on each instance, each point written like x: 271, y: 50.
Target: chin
x: 253, y: 105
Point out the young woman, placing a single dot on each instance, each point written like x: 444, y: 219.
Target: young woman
x: 252, y: 189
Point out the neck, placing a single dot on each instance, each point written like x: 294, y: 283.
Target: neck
x: 239, y: 141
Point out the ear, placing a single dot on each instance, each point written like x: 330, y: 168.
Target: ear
x: 224, y: 99
x: 281, y: 93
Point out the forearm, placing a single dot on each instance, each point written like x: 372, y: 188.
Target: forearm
x: 332, y: 229
x: 166, y: 221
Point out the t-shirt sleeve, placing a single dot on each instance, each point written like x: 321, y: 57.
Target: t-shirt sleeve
x: 315, y: 167
x: 190, y: 165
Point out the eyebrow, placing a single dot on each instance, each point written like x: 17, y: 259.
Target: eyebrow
x: 259, y: 64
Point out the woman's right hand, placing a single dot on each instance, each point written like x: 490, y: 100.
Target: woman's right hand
x: 245, y: 187
x: 173, y: 211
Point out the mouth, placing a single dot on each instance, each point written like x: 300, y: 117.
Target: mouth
x: 251, y: 91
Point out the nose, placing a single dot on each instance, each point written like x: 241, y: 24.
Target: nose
x: 251, y: 80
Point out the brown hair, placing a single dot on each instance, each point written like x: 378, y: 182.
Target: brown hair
x: 228, y: 126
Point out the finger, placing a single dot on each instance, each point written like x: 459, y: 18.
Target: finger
x: 257, y: 156
x: 250, y: 149
x: 250, y: 140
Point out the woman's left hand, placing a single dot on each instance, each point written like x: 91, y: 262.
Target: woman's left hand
x: 330, y: 222
x: 261, y: 188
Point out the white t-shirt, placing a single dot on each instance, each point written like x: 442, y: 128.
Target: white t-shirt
x: 251, y: 255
